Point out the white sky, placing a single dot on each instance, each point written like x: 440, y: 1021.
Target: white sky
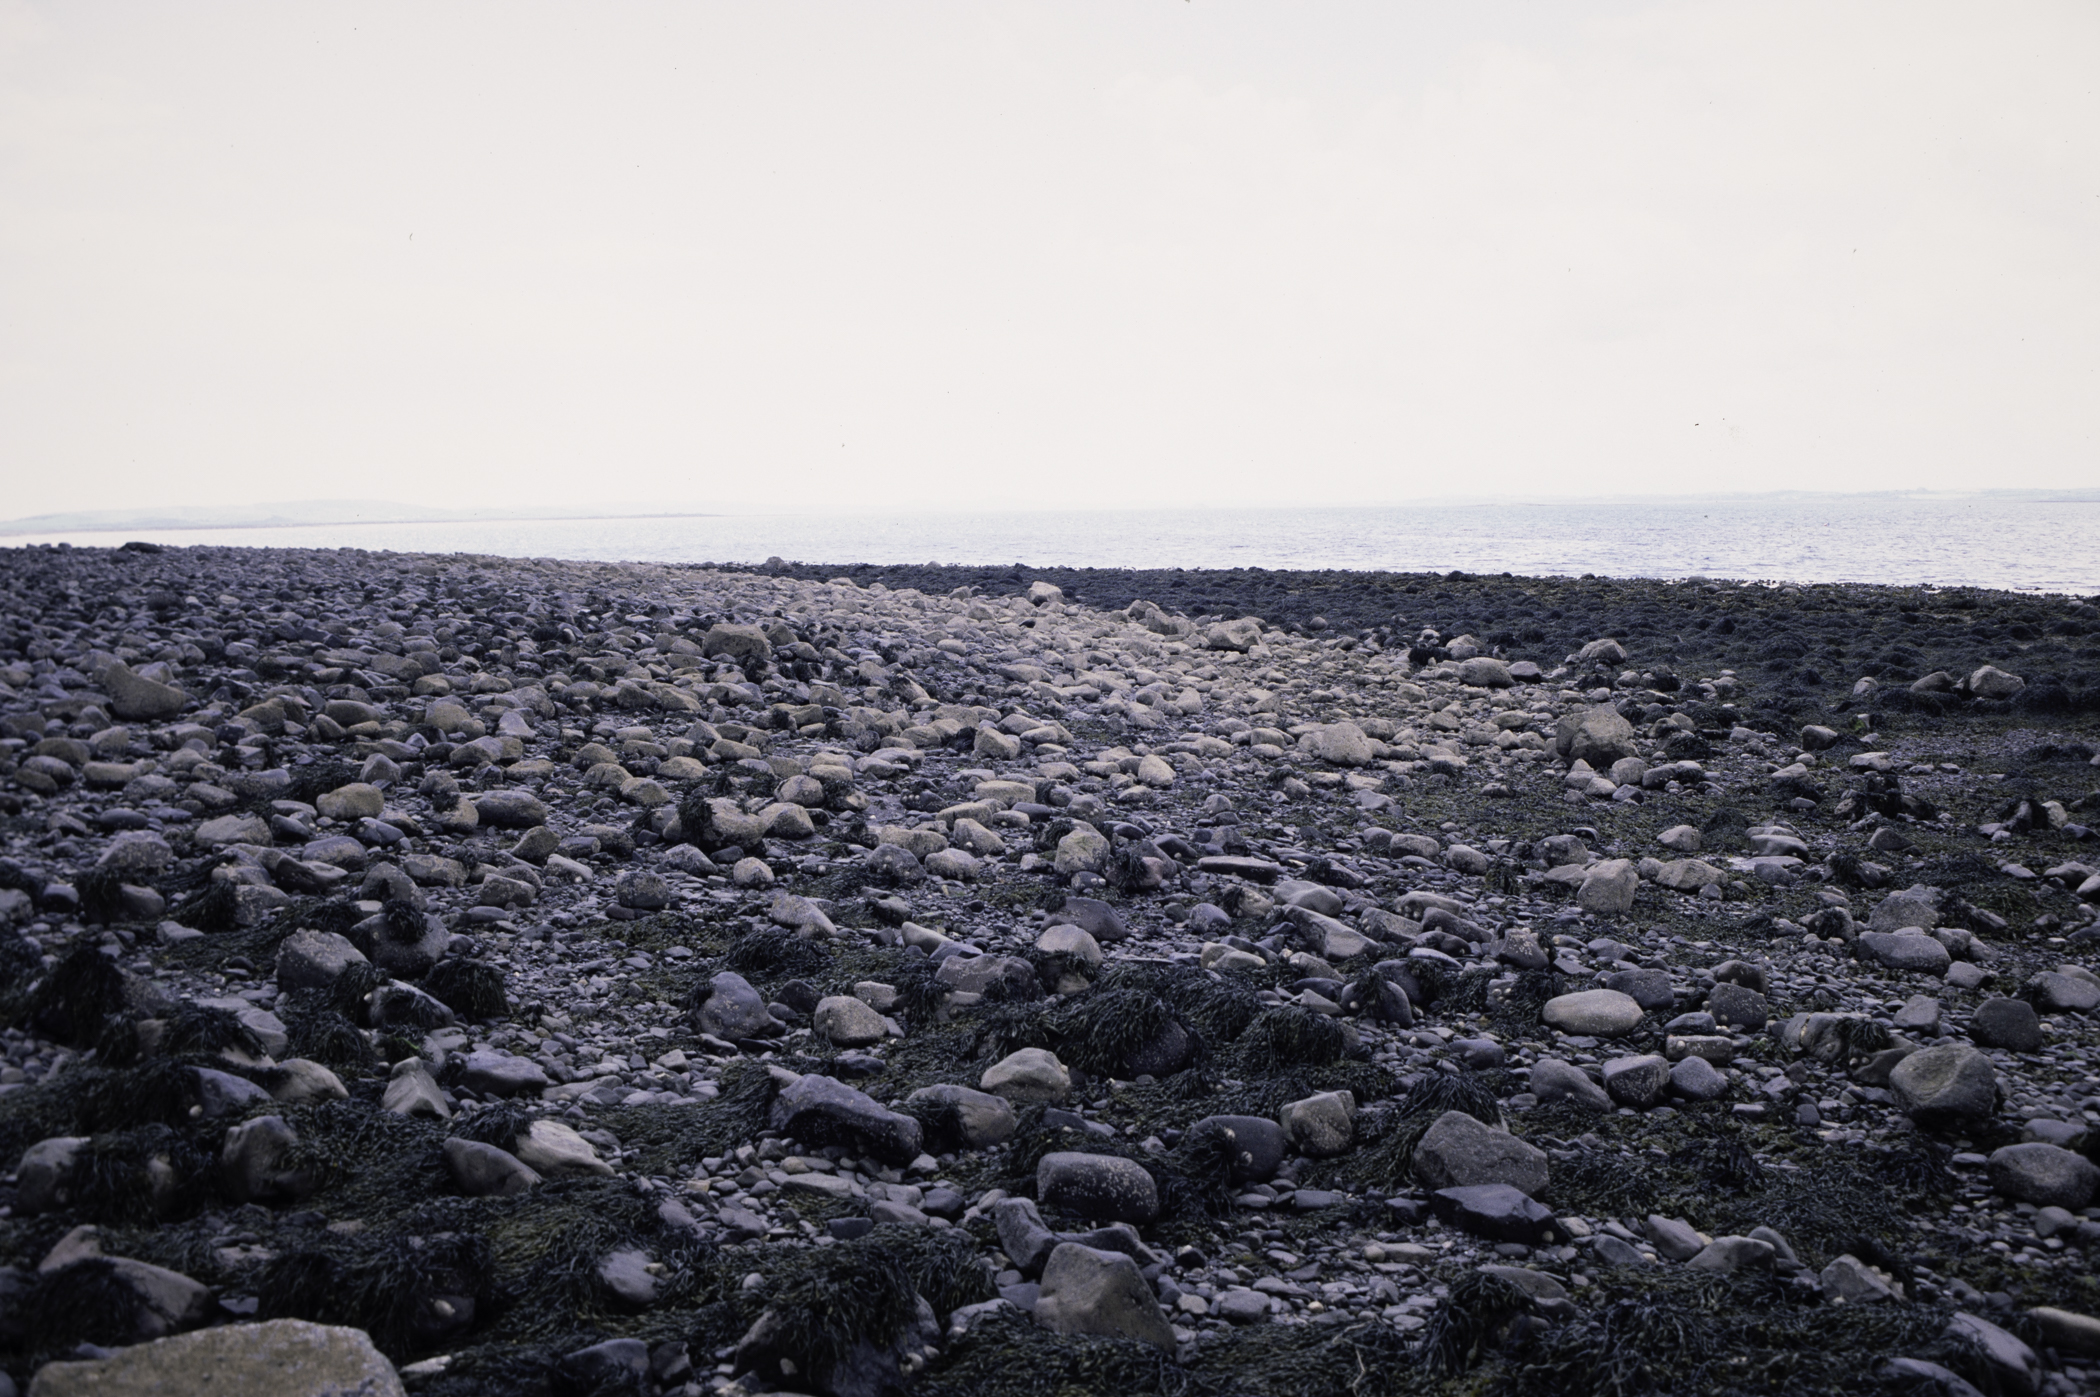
x: 1064, y: 254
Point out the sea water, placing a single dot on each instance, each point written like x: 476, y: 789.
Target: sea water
x: 2022, y: 543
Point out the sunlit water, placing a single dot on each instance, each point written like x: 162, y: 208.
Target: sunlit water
x: 2020, y: 544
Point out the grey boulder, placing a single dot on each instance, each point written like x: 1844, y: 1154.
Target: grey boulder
x: 481, y: 1170
x: 1737, y: 1006
x: 1944, y: 1086
x: 1639, y: 1082
x: 1696, y: 1079
x: 1592, y: 1013
x: 821, y: 1111
x: 1257, y: 1145
x: 1458, y: 1151
x: 1597, y: 735
x: 1085, y: 1291
x: 1321, y: 1126
x: 276, y: 1358
x: 1099, y: 1186
x: 1899, y: 951
x: 733, y: 1010
x: 2044, y: 1175
x: 1497, y: 1212
x: 960, y: 1117
x: 1555, y: 1080
x: 2010, y: 1024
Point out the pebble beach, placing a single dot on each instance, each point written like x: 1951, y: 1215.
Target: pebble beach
x: 455, y: 974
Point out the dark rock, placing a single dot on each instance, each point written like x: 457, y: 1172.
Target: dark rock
x: 822, y: 1111
x: 1100, y: 1186
x: 1494, y: 1211
x: 2011, y: 1024
x: 1257, y: 1142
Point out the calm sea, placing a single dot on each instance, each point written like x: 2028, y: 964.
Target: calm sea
x: 2019, y: 544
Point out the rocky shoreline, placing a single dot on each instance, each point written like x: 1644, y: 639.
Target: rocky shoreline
x: 476, y: 975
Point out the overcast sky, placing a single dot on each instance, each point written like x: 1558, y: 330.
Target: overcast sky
x: 1063, y: 254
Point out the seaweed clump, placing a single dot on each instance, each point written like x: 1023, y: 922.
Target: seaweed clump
x: 1387, y: 1139
x: 406, y: 1292
x: 1285, y: 1037
x: 472, y: 989
x: 854, y: 1305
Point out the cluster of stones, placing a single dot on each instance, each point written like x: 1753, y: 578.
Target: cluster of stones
x: 532, y: 754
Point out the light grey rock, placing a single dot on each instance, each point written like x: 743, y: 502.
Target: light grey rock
x: 625, y: 1274
x: 1321, y: 1126
x: 1992, y: 682
x: 234, y: 829
x: 1242, y: 634
x: 1592, y: 1013
x: 1029, y: 1075
x: 136, y: 854
x: 412, y: 1091
x: 1458, y: 1151
x: 275, y: 1358
x: 1913, y: 907
x: 135, y: 698
x: 1850, y: 1281
x: 359, y: 800
x: 1343, y: 744
x: 1597, y: 735
x: 845, y: 1022
x: 555, y: 1150
x: 1085, y: 1291
x: 1084, y: 850
x: 1674, y: 1238
x: 1609, y: 887
x: 309, y: 959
